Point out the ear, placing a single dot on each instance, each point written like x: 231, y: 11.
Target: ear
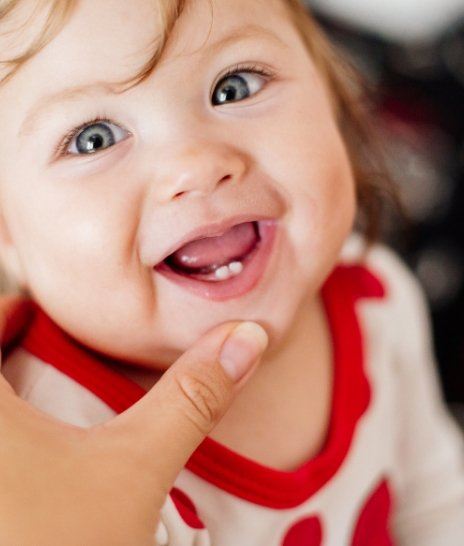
x: 9, y: 257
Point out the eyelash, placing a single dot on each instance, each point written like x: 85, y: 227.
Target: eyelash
x: 249, y: 68
x: 243, y: 67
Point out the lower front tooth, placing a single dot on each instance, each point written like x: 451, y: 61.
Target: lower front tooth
x: 235, y: 267
x: 222, y: 273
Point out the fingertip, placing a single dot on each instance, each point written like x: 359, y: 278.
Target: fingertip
x: 244, y: 345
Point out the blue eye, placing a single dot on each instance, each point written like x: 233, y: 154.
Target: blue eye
x: 236, y: 86
x: 92, y: 137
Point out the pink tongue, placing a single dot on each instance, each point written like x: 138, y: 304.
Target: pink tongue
x: 219, y: 250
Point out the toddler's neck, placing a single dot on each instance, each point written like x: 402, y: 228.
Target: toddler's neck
x: 288, y: 397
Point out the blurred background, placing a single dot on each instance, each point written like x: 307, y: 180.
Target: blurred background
x: 413, y: 52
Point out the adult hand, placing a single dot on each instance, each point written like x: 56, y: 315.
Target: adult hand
x: 60, y: 484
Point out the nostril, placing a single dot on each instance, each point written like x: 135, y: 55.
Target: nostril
x: 225, y: 178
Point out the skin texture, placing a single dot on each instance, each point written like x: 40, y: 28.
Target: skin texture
x: 83, y: 233
x: 116, y: 475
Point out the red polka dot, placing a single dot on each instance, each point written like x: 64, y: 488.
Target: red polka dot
x: 372, y: 527
x: 186, y: 508
x: 306, y: 532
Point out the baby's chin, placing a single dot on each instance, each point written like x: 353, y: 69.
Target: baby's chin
x: 166, y: 353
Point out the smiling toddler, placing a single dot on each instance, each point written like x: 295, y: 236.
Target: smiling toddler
x: 166, y: 166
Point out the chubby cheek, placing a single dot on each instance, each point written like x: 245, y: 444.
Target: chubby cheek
x: 322, y: 203
x: 331, y: 204
x: 313, y: 173
x: 77, y: 254
x: 67, y: 239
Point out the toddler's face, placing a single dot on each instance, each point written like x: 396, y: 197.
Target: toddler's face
x: 183, y: 150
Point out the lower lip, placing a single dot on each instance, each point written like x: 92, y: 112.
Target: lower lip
x: 253, y: 268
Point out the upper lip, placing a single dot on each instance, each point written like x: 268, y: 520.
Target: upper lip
x: 211, y: 230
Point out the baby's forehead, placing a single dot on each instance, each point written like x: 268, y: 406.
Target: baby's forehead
x: 99, y: 33
x: 110, y: 41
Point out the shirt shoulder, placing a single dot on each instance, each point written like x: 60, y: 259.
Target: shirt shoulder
x: 404, y: 300
x: 53, y: 392
x: 383, y: 262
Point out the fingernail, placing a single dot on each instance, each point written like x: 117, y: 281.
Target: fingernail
x: 241, y: 349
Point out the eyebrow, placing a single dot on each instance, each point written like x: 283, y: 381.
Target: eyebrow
x: 61, y: 97
x: 246, y: 32
x: 97, y: 89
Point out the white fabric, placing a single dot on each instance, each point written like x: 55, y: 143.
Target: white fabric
x: 397, y: 20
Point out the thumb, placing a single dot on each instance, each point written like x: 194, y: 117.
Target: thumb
x: 173, y: 418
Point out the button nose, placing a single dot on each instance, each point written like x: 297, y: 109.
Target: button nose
x: 198, y: 170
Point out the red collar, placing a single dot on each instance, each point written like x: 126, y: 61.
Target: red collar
x: 213, y: 461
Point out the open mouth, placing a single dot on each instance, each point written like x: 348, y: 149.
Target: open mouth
x: 223, y: 266
x: 216, y: 259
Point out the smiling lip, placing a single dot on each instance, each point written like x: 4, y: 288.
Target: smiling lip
x: 254, y: 265
x: 211, y: 230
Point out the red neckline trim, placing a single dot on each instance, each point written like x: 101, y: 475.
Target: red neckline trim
x: 213, y: 461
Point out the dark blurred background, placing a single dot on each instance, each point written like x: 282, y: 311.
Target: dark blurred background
x: 413, y: 52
